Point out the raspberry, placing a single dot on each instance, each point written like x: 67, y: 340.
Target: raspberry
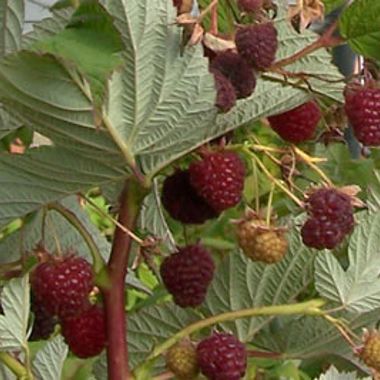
x: 257, y: 44
x: 250, y: 5
x: 44, y: 323
x: 331, y: 218
x: 261, y: 242
x: 298, y: 124
x: 234, y: 68
x: 370, y: 353
x: 85, y: 333
x: 362, y: 108
x: 62, y: 284
x: 222, y: 357
x: 320, y: 235
x: 182, y: 360
x: 187, y: 274
x: 182, y: 202
x: 219, y: 179
x: 226, y: 96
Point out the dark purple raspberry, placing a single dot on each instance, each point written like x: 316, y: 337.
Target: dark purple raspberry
x: 85, y: 333
x: 257, y: 44
x: 298, y: 124
x: 250, y: 5
x: 331, y: 218
x: 222, y: 357
x: 182, y: 202
x: 237, y: 71
x: 362, y: 107
x: 321, y: 234
x: 187, y: 274
x: 219, y: 179
x: 62, y: 284
x: 226, y: 96
x: 44, y: 323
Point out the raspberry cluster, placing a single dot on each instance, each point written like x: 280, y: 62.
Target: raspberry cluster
x: 222, y: 357
x: 250, y: 6
x: 256, y: 47
x: 330, y: 218
x: 207, y: 188
x: 187, y: 274
x: 362, y: 104
x: 61, y: 286
x: 298, y: 124
x: 261, y: 242
x: 370, y: 352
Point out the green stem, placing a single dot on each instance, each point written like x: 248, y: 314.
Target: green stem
x: 306, y: 308
x: 14, y: 365
x: 99, y: 263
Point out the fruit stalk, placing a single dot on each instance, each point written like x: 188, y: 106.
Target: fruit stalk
x: 114, y: 295
x: 14, y: 365
x: 305, y: 308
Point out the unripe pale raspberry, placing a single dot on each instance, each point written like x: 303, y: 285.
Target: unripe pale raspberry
x: 85, y: 333
x: 257, y: 44
x: 219, y: 179
x: 250, y: 5
x: 226, y: 96
x: 261, y: 242
x: 362, y: 105
x: 222, y: 357
x: 370, y: 353
x: 62, y: 284
x: 298, y: 124
x: 237, y: 71
x: 187, y: 274
x: 182, y: 202
x: 182, y: 360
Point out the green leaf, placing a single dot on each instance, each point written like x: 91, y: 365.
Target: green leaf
x: 146, y: 328
x: 330, y: 5
x: 153, y: 220
x: 48, y: 174
x: 360, y: 26
x: 14, y: 323
x: 8, y: 124
x: 11, y: 24
x: 90, y: 37
x: 357, y: 288
x: 48, y: 363
x: 240, y: 283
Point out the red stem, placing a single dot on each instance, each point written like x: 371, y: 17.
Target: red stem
x: 262, y: 354
x: 114, y: 293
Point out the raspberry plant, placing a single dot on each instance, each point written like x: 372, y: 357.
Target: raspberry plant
x: 180, y: 176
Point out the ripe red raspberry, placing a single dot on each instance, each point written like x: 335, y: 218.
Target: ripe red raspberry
x: 261, y: 242
x: 362, y: 108
x: 250, y: 5
x: 222, y: 357
x: 226, y: 96
x: 182, y: 202
x: 182, y: 360
x: 62, y: 284
x: 235, y: 69
x: 257, y: 44
x: 298, y: 124
x: 44, y: 323
x: 85, y: 333
x: 187, y: 274
x: 219, y: 179
x: 370, y: 352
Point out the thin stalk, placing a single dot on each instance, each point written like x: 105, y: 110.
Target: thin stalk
x: 99, y: 263
x: 14, y: 365
x: 256, y: 187
x: 305, y: 308
x: 114, y: 294
x: 269, y: 206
